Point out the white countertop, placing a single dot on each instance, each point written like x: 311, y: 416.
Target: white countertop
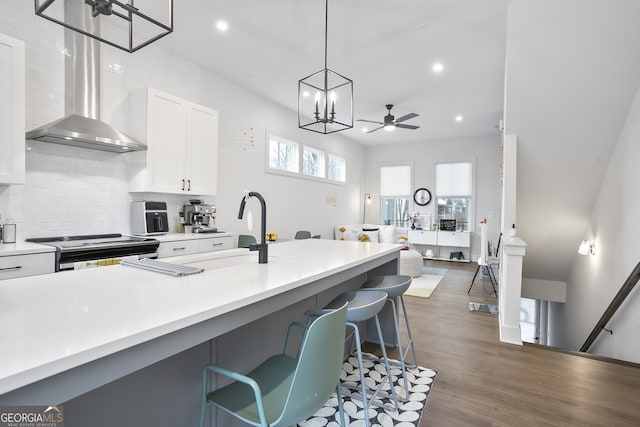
x: 55, y: 322
x: 23, y: 248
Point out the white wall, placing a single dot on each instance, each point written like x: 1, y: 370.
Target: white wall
x: 483, y: 151
x: 595, y: 280
x: 78, y: 191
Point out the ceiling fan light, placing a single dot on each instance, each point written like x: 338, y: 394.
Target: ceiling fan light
x: 389, y: 127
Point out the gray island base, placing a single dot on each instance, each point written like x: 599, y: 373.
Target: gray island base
x: 147, y: 336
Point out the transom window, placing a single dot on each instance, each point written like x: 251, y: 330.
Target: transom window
x: 336, y: 168
x: 286, y: 157
x: 313, y: 163
x: 283, y: 154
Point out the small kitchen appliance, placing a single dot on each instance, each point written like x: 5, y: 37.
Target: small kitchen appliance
x: 202, y: 217
x: 149, y: 218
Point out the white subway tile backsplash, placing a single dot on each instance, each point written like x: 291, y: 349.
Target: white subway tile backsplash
x: 71, y: 190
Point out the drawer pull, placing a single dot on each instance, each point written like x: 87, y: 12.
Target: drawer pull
x: 180, y: 249
x: 17, y: 267
x: 218, y: 244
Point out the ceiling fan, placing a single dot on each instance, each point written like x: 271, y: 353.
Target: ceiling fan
x: 390, y: 122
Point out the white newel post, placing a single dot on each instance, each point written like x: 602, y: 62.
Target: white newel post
x: 510, y: 290
x: 513, y: 247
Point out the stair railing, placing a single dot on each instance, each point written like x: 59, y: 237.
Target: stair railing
x: 617, y: 301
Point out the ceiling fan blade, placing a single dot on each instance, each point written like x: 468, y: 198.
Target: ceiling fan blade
x: 406, y: 117
x: 398, y: 125
x: 369, y: 121
x: 373, y: 130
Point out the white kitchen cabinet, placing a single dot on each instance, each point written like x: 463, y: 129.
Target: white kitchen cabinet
x: 26, y: 265
x: 12, y: 113
x: 454, y: 238
x: 440, y: 239
x: 182, y: 140
x: 188, y: 245
x: 423, y: 237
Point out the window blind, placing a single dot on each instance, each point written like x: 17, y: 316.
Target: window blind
x: 454, y: 179
x: 395, y: 180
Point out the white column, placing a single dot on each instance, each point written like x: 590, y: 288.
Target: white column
x: 510, y: 289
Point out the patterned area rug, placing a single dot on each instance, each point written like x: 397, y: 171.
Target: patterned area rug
x: 424, y: 285
x: 410, y: 412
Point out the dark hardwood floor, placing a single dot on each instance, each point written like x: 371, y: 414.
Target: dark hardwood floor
x: 483, y: 382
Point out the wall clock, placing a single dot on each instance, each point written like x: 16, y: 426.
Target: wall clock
x: 422, y: 197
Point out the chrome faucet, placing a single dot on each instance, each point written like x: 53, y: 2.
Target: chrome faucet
x: 262, y: 248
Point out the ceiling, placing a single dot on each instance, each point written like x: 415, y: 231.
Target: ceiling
x: 387, y: 48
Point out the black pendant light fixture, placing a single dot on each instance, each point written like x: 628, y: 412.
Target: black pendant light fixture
x: 325, y: 98
x: 116, y: 23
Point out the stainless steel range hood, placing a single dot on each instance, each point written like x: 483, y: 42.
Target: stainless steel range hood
x: 81, y: 126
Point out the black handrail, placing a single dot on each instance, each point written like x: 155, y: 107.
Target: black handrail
x: 617, y: 301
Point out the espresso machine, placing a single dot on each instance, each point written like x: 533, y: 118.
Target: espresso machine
x: 202, y: 217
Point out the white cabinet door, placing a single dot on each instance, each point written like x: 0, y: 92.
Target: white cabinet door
x: 27, y: 265
x: 201, y: 149
x: 423, y: 237
x: 182, y: 140
x: 12, y: 148
x: 180, y: 247
x: 216, y: 244
x: 454, y: 238
x: 165, y: 137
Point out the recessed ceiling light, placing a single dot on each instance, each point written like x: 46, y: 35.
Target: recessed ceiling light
x: 364, y: 130
x: 458, y: 118
x: 438, y: 67
x: 222, y: 26
x: 306, y: 94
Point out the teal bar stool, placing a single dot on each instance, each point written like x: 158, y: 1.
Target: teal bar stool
x: 394, y: 286
x: 285, y: 390
x: 363, y: 306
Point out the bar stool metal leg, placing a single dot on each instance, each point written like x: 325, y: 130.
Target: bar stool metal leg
x: 368, y: 398
x: 395, y: 286
x: 403, y: 352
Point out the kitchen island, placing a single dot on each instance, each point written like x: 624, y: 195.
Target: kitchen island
x: 81, y: 338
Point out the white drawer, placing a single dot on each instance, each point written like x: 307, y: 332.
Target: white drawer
x: 215, y: 244
x: 454, y: 238
x: 423, y: 237
x: 181, y: 247
x: 27, y: 265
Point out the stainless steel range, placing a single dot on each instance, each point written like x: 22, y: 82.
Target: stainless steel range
x: 76, y: 252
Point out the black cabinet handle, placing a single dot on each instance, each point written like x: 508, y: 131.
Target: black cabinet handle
x: 183, y: 185
x: 17, y: 267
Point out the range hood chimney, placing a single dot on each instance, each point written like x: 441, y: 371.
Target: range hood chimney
x: 81, y: 126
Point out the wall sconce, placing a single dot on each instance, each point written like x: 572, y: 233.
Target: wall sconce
x: 587, y: 247
x: 367, y: 201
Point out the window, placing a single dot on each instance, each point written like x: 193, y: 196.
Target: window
x: 454, y: 191
x: 336, y: 168
x: 313, y: 162
x: 283, y: 154
x: 292, y: 159
x: 395, y: 193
